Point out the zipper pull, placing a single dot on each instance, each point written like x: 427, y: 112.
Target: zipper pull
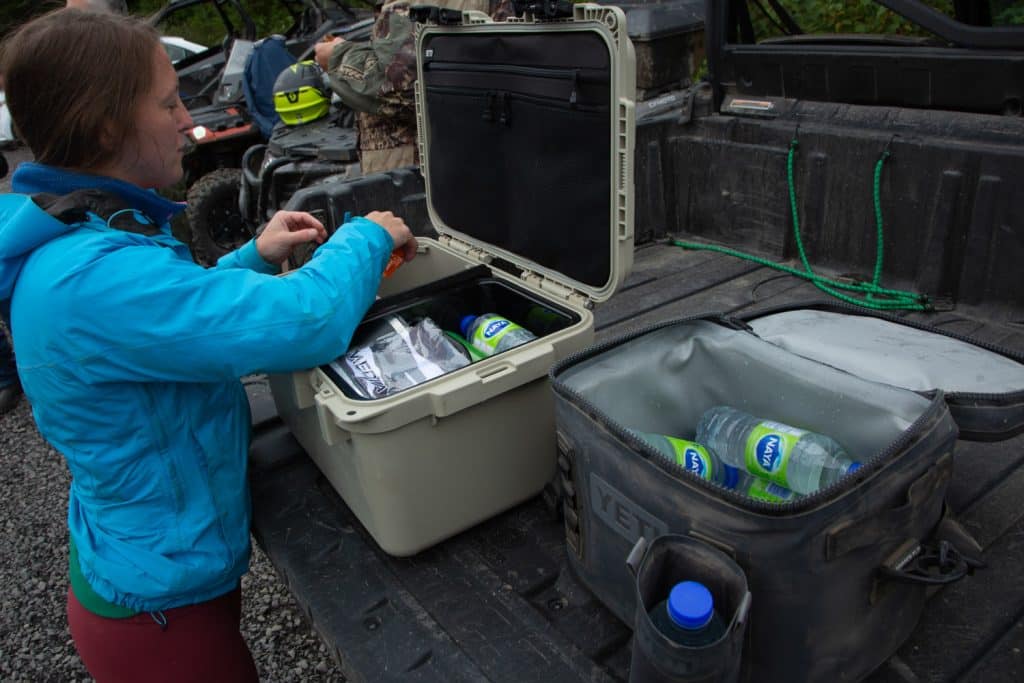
x: 506, y: 109
x: 575, y: 83
x: 735, y: 323
x: 488, y: 114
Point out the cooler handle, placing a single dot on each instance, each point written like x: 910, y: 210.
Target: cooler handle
x: 933, y: 563
x: 305, y: 385
x: 329, y: 429
x: 888, y: 525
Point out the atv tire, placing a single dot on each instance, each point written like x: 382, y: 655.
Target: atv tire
x: 213, y: 216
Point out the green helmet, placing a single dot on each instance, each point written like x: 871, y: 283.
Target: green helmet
x: 299, y: 94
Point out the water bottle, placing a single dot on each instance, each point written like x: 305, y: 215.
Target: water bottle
x: 692, y: 456
x: 491, y: 333
x: 762, y: 489
x: 688, y: 616
x: 796, y: 459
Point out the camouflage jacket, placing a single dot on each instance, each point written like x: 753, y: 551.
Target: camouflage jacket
x: 376, y: 79
x: 377, y: 76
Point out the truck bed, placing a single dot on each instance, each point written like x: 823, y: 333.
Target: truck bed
x: 498, y: 601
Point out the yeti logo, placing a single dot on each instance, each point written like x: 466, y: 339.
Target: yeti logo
x: 624, y: 516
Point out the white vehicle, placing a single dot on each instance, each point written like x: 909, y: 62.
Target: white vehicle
x: 6, y: 133
x: 179, y: 48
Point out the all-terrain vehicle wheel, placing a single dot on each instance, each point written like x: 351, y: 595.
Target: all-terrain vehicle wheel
x: 214, y: 217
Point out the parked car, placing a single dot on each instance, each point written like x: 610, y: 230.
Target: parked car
x: 179, y: 48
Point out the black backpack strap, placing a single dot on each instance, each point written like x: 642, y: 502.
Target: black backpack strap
x: 76, y: 206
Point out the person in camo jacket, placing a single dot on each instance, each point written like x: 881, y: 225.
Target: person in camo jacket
x: 376, y: 79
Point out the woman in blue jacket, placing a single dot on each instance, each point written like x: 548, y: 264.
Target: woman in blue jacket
x: 131, y: 354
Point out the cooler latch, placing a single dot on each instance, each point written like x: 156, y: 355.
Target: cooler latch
x: 556, y: 289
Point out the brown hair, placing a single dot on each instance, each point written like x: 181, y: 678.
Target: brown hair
x: 72, y: 74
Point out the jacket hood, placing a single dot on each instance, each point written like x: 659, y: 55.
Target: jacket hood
x: 24, y: 226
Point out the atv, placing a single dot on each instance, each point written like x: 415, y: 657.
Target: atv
x: 224, y: 211
x: 296, y: 157
x: 226, y: 119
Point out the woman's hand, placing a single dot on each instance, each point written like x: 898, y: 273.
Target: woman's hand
x: 405, y: 242
x: 286, y: 230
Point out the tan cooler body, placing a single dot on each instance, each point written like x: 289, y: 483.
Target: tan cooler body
x: 425, y: 463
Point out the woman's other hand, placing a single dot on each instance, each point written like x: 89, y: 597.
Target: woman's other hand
x: 286, y: 230
x: 403, y: 238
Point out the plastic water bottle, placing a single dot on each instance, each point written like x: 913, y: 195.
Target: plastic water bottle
x: 762, y: 489
x: 796, y: 459
x: 693, y: 457
x: 688, y: 616
x: 491, y: 333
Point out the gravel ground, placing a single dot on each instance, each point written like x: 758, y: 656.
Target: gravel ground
x: 35, y: 645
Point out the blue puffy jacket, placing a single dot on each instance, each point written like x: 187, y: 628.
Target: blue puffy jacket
x: 131, y: 356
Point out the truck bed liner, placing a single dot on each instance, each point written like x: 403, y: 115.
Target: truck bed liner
x: 498, y: 602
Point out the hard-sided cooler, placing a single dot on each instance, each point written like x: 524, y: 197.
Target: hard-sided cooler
x: 526, y: 141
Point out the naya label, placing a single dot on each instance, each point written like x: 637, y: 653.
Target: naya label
x: 693, y: 457
x: 487, y: 336
x: 494, y: 327
x: 768, y: 449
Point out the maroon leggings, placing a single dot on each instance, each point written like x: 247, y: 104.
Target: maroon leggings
x: 193, y: 643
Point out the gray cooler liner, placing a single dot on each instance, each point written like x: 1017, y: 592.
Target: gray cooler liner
x: 663, y: 381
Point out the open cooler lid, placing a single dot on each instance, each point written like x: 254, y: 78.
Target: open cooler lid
x: 526, y: 137
x: 983, y: 384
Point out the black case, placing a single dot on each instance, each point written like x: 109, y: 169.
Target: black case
x: 838, y: 578
x: 669, y: 41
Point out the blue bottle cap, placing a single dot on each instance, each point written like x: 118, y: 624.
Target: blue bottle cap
x: 690, y: 605
x: 465, y: 323
x: 854, y: 466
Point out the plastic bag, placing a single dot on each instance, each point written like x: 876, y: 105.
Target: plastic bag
x: 393, y: 355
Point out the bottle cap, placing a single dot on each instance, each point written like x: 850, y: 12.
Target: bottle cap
x: 690, y: 605
x: 465, y: 323
x: 854, y: 466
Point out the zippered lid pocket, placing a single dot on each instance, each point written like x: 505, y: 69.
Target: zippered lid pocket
x: 983, y: 383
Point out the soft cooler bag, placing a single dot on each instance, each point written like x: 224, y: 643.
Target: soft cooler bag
x: 838, y: 578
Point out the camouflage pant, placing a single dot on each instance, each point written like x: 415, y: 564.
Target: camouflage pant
x: 386, y: 142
